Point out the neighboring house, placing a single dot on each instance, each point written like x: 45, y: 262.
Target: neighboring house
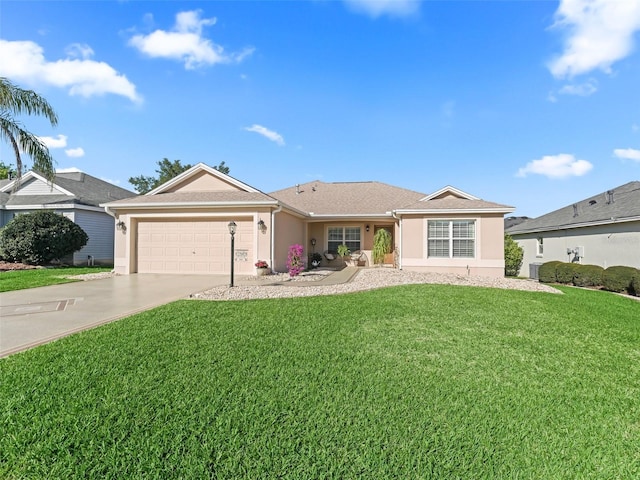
x: 77, y: 196
x: 182, y: 226
x: 512, y: 221
x: 601, y: 230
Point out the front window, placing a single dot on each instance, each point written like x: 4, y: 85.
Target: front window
x: 539, y: 246
x: 350, y: 236
x: 451, y: 238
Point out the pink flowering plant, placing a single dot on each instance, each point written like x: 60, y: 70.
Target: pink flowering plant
x: 262, y: 264
x: 295, y: 263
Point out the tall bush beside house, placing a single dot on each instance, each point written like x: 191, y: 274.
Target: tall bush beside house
x: 40, y: 237
x: 588, y: 275
x: 381, y: 245
x: 295, y: 263
x: 547, y: 272
x: 513, y: 255
x: 635, y: 284
x: 565, y: 272
x: 618, y: 278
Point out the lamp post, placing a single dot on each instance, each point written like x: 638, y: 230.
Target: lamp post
x: 232, y: 231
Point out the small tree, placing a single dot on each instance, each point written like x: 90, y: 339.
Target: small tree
x: 513, y: 254
x: 381, y: 245
x: 39, y: 237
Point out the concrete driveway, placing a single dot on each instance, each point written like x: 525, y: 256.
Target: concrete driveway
x: 39, y: 315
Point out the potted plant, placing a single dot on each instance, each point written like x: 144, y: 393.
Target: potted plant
x: 343, y: 251
x: 315, y: 260
x: 262, y: 267
x: 381, y: 246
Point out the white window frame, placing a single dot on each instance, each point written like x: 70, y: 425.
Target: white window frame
x: 344, y: 239
x: 540, y: 247
x: 450, y: 239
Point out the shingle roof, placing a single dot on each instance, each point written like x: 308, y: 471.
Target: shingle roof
x: 86, y: 190
x: 597, y: 209
x: 455, y: 203
x: 195, y: 198
x: 346, y: 198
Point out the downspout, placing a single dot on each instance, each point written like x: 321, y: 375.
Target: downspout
x: 393, y: 214
x: 273, y: 234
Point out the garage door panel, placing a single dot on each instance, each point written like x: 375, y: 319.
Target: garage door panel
x: 203, y: 247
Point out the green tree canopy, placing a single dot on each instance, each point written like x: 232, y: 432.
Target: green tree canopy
x: 6, y: 171
x: 166, y: 170
x: 15, y: 101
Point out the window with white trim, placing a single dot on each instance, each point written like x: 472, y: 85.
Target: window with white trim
x: 539, y: 246
x: 451, y: 238
x: 349, y: 236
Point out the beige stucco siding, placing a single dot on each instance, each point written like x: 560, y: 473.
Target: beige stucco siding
x: 289, y: 230
x: 603, y: 245
x: 488, y: 259
x: 202, y: 182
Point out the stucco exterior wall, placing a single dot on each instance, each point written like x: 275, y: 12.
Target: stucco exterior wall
x: 288, y: 230
x: 603, y: 245
x: 202, y: 182
x: 489, y: 246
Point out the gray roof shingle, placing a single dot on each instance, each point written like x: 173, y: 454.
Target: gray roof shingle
x: 195, y: 198
x: 597, y: 209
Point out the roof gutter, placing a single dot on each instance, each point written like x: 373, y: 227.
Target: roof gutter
x: 554, y: 228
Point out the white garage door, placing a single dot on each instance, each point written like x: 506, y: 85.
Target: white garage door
x: 201, y: 247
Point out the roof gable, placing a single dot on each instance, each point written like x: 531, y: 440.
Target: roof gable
x: 448, y: 192
x: 202, y: 178
x: 33, y: 183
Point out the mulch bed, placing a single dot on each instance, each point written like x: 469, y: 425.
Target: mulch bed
x: 8, y: 266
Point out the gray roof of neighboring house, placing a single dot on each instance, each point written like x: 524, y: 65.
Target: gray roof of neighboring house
x: 346, y: 198
x: 195, y: 198
x: 512, y: 221
x: 623, y: 204
x: 86, y: 190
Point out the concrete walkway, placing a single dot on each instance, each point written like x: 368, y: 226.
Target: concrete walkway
x: 39, y: 315
x: 32, y: 317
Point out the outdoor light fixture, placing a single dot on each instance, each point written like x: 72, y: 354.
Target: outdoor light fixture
x: 232, y: 230
x: 121, y: 226
x: 367, y: 228
x: 262, y: 226
x: 313, y: 242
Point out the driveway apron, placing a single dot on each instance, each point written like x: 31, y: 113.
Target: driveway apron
x: 39, y: 315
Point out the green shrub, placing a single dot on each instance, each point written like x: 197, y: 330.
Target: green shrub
x: 588, y: 276
x: 565, y: 272
x: 635, y: 285
x: 618, y: 278
x: 39, y: 237
x: 547, y: 272
x: 513, y: 254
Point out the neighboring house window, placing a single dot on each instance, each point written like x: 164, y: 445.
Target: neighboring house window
x: 539, y: 246
x: 451, y: 238
x: 350, y: 236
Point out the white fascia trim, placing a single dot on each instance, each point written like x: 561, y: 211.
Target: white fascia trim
x: 31, y: 174
x: 451, y: 189
x: 202, y: 167
x: 577, y: 225
x: 355, y: 216
x: 186, y: 204
x: 51, y: 206
x: 449, y: 211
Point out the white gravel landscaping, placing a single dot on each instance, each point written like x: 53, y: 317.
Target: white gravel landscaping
x: 365, y: 279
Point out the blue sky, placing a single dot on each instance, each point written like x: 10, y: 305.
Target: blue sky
x: 534, y: 104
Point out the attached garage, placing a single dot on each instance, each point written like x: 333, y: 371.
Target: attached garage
x: 189, y: 246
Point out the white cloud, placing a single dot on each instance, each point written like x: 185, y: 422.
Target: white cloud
x: 79, y: 50
x: 265, y: 132
x: 68, y: 170
x: 58, y: 142
x: 600, y: 32
x: 186, y: 43
x: 556, y: 166
x: 75, y: 152
x: 377, y: 8
x: 581, y: 89
x: 25, y: 61
x: 627, y: 154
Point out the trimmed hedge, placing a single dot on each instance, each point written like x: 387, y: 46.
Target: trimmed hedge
x: 588, y: 275
x: 547, y: 272
x: 635, y: 285
x: 566, y: 272
x: 619, y: 278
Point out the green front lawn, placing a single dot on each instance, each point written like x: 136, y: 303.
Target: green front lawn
x: 41, y: 277
x: 420, y: 381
